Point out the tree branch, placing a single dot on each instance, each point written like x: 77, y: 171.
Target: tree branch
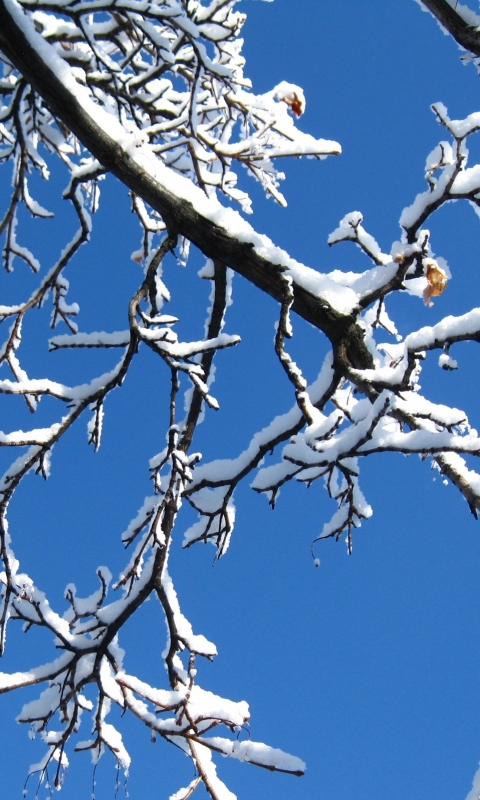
x: 26, y: 50
x: 464, y: 34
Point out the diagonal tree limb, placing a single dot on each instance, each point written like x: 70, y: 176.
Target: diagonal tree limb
x: 464, y: 34
x: 180, y: 215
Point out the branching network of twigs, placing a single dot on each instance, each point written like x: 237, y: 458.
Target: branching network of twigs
x: 154, y: 93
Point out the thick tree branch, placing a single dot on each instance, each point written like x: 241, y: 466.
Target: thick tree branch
x: 180, y: 215
x: 464, y: 34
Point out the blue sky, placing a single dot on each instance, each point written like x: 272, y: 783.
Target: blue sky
x: 367, y: 668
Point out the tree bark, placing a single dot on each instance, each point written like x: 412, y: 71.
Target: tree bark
x: 464, y: 34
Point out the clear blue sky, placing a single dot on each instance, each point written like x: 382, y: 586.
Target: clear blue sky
x: 369, y: 667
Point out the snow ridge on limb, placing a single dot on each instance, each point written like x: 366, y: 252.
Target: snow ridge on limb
x: 184, y: 207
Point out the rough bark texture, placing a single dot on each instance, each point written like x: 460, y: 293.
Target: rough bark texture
x: 464, y: 34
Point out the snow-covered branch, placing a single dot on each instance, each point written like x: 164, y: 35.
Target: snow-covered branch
x: 156, y: 95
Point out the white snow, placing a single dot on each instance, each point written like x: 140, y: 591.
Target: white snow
x: 94, y: 339
x: 257, y: 753
x: 13, y: 680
